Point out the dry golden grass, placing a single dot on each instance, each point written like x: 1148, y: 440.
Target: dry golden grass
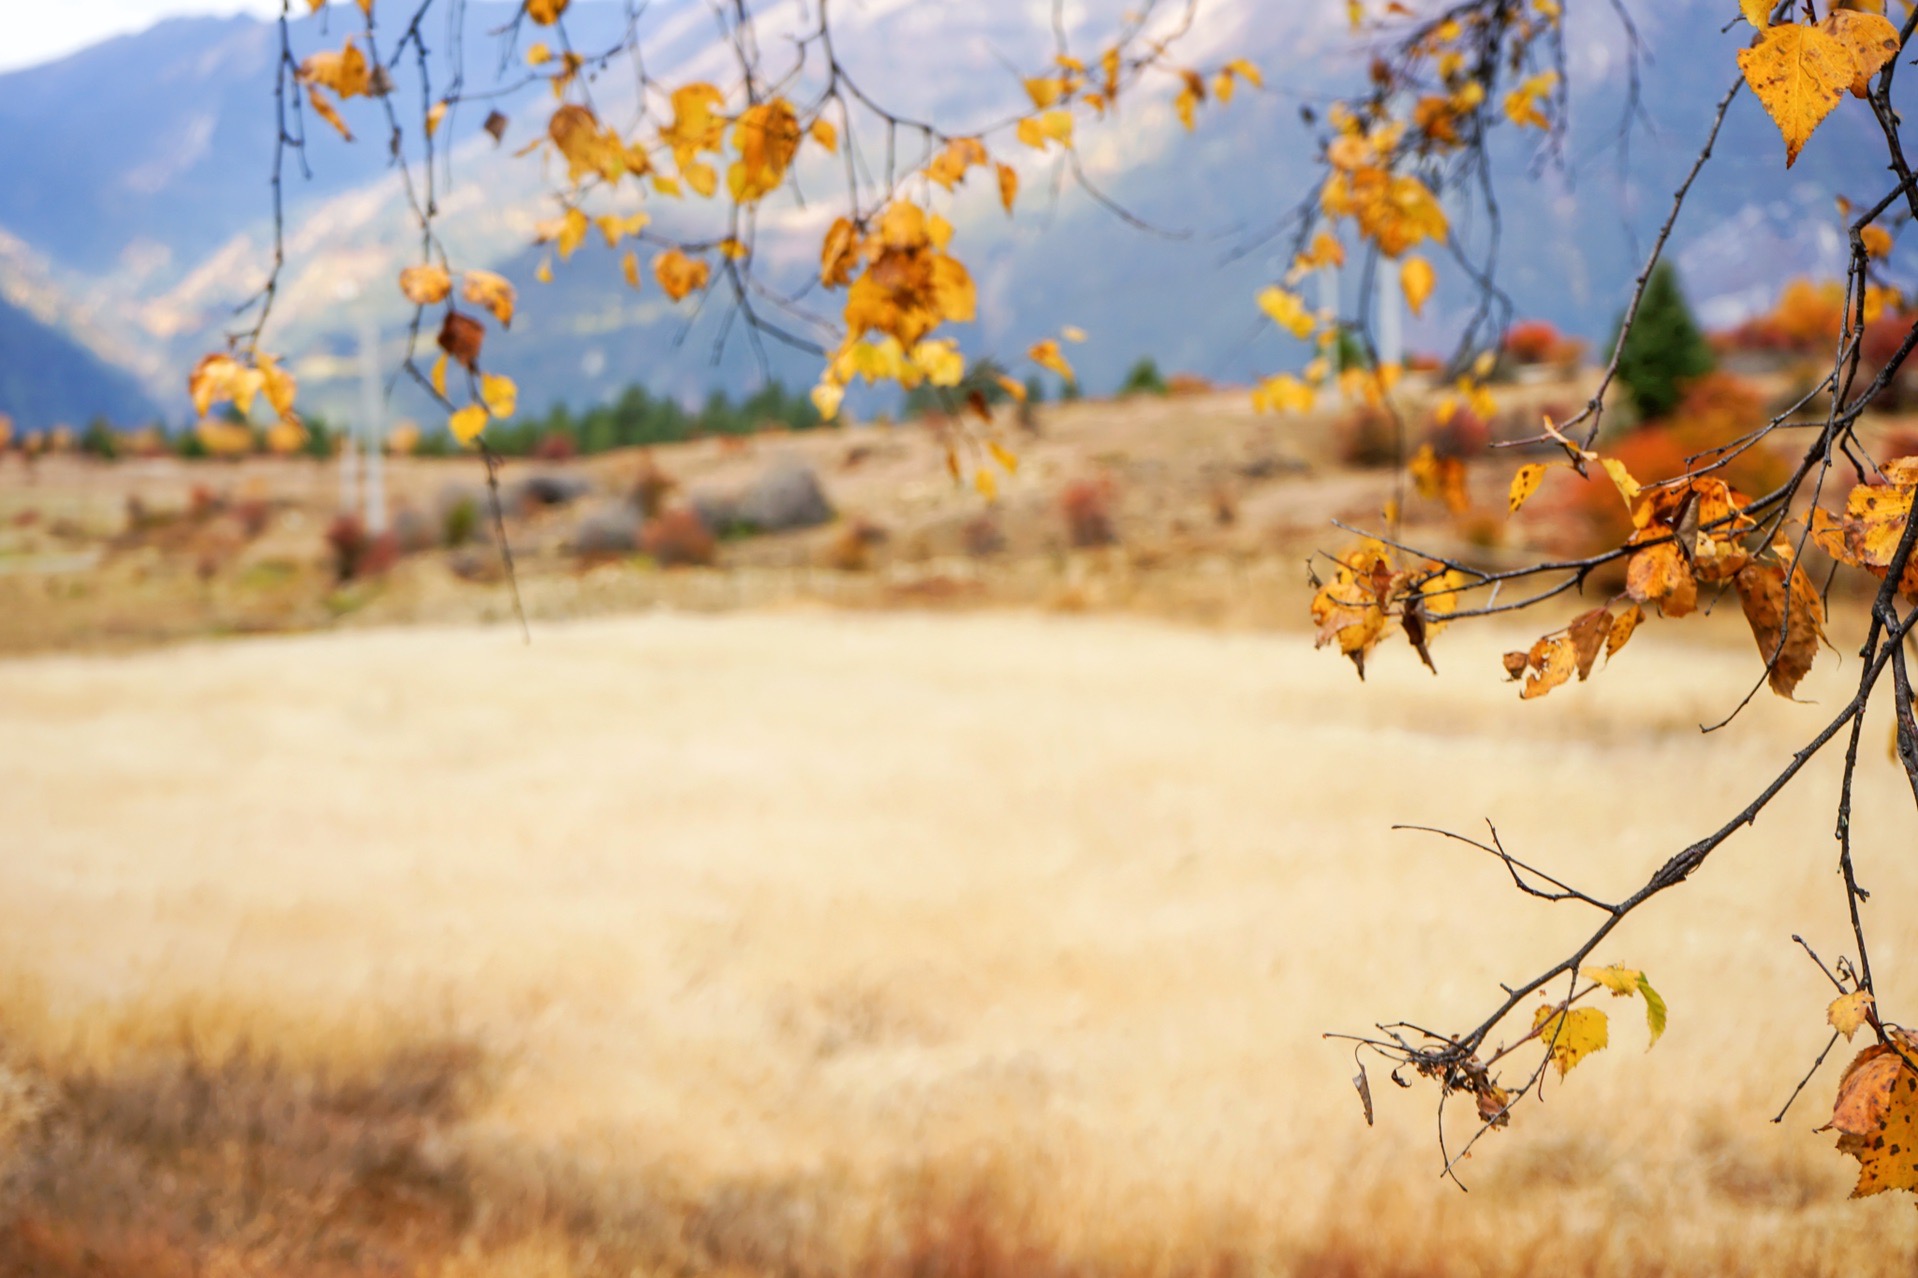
x: 812, y: 944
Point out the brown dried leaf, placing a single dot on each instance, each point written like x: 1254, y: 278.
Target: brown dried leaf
x: 1588, y: 634
x: 1789, y: 644
x: 461, y: 336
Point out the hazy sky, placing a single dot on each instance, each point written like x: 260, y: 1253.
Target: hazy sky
x: 31, y: 33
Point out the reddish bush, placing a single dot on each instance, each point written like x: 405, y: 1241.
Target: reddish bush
x: 1533, y: 342
x: 356, y: 553
x: 852, y: 550
x: 1463, y: 435
x: 1087, y: 507
x: 556, y: 446
x: 982, y: 536
x: 652, y: 486
x: 1367, y: 438
x: 254, y: 514
x: 678, y: 538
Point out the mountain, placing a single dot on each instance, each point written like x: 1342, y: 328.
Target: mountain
x: 48, y: 379
x: 140, y: 216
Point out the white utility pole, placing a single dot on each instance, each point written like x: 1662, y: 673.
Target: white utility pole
x: 373, y: 425
x: 1391, y: 321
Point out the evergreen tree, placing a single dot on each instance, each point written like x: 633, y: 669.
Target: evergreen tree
x: 1665, y: 348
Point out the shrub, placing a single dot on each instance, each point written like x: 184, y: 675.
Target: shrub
x: 1143, y: 378
x: 1367, y: 437
x: 357, y: 554
x: 652, y: 486
x: 556, y: 446
x: 852, y: 550
x: 1462, y: 435
x: 1087, y: 507
x: 1665, y: 348
x: 982, y: 536
x: 609, y: 533
x: 678, y: 538
x: 1531, y: 342
x: 459, y: 521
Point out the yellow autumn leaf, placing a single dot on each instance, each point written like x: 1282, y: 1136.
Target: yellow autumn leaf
x: 1757, y: 12
x: 1287, y: 310
x: 1008, y: 185
x: 434, y: 115
x: 1799, y: 73
x: 1283, y: 393
x: 323, y: 107
x: 1621, y: 981
x: 500, y: 394
x: 987, y: 483
x: 629, y: 266
x: 439, y: 375
x: 1628, y: 488
x: 825, y: 134
x: 1848, y: 1012
x: 1877, y: 241
x: 1571, y: 1035
x: 679, y: 274
x: 571, y: 233
x: 1524, y: 484
x: 1417, y: 279
x: 537, y: 54
x: 467, y: 423
x: 280, y: 387
x: 1003, y: 455
x: 1046, y: 354
x: 545, y: 12
x: 826, y: 397
x: 486, y: 289
x: 1042, y: 130
x: 1869, y: 37
x: 1073, y: 333
x: 425, y: 285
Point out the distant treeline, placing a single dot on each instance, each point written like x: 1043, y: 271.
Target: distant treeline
x: 637, y: 418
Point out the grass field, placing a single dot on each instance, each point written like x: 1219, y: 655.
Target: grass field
x: 804, y: 943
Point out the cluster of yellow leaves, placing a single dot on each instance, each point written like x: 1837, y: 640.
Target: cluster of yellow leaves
x: 1876, y: 1115
x: 1369, y: 592
x: 345, y: 72
x: 1470, y: 390
x: 906, y: 285
x: 1868, y: 533
x: 240, y: 380
x: 1800, y: 71
x: 1395, y: 211
x: 1441, y: 478
x: 1522, y: 103
x: 461, y: 338
x: 1573, y: 1033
